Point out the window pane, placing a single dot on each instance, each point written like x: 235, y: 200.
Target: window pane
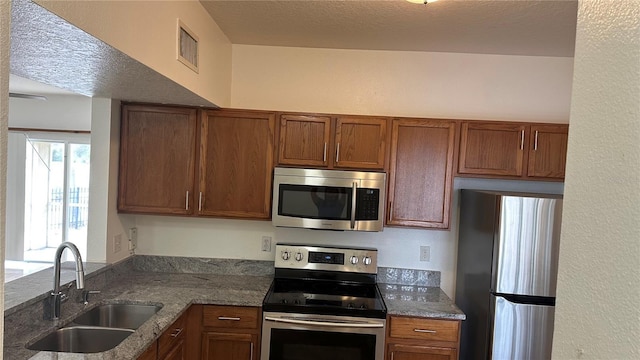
x: 44, y: 196
x: 78, y: 204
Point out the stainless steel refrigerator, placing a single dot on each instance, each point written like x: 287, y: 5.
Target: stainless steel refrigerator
x: 506, y: 274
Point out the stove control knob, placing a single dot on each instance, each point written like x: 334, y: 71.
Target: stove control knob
x: 298, y: 256
x: 354, y: 260
x: 286, y: 255
x: 366, y: 260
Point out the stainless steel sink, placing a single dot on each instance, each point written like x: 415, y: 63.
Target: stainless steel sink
x: 124, y: 316
x: 99, y: 329
x: 81, y: 339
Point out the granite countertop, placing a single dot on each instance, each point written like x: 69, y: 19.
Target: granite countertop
x: 420, y: 301
x: 176, y: 286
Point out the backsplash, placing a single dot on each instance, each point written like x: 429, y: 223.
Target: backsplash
x: 398, y: 276
x: 194, y: 265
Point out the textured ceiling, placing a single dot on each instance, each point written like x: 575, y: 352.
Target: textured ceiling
x: 513, y: 27
x: 47, y: 49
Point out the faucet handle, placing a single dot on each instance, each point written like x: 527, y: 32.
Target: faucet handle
x: 86, y: 293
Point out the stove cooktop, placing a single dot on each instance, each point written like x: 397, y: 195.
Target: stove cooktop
x: 324, y: 298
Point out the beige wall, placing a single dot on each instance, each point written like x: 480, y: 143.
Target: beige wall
x: 146, y: 31
x: 5, y: 19
x: 442, y: 85
x: 68, y: 112
x: 597, y: 309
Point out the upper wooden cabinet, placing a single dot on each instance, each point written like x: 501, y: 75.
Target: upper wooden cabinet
x: 157, y: 159
x: 547, y: 151
x: 421, y: 173
x: 349, y: 142
x: 236, y: 164
x: 304, y: 140
x: 512, y: 150
x: 492, y: 149
x: 160, y: 147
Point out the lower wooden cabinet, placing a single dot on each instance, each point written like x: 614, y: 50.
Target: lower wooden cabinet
x: 229, y: 346
x: 412, y: 338
x: 171, y: 345
x: 230, y: 333
x: 414, y: 352
x: 151, y: 353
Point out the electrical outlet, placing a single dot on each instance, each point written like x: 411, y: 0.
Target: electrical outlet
x: 117, y: 243
x: 425, y: 253
x: 266, y: 243
x: 133, y: 238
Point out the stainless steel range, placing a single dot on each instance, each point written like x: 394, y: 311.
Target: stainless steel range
x: 323, y: 304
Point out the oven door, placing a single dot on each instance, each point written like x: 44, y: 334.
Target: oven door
x: 320, y: 337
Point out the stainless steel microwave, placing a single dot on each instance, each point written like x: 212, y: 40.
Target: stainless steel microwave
x: 328, y: 199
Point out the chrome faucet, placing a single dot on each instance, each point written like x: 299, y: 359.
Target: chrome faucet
x: 57, y: 297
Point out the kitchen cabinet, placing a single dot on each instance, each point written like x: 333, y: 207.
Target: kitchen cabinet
x: 157, y: 159
x: 348, y: 142
x: 413, y: 338
x: 230, y: 333
x: 171, y: 344
x: 421, y: 173
x: 513, y: 150
x: 547, y: 151
x: 492, y: 148
x: 236, y: 163
x: 151, y: 353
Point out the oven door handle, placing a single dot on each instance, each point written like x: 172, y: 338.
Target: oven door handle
x: 354, y: 203
x: 324, y: 323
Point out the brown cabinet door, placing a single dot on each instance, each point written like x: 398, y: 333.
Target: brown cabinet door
x: 304, y: 140
x: 151, y: 353
x: 177, y: 352
x: 236, y: 164
x: 492, y: 149
x: 411, y: 352
x: 360, y: 142
x: 548, y: 151
x: 157, y: 159
x: 421, y: 173
x: 229, y: 346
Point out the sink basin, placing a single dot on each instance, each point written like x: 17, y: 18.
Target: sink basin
x: 124, y: 316
x: 81, y: 339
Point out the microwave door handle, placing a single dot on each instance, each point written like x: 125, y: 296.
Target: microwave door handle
x: 353, y: 205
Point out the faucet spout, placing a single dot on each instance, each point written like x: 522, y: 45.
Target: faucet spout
x: 56, y: 294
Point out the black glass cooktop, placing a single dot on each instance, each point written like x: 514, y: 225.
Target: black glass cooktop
x: 324, y: 297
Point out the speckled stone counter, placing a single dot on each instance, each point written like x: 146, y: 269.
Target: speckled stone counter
x: 176, y: 283
x: 126, y: 284
x: 421, y: 301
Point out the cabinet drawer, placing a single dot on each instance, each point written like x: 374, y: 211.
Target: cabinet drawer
x: 236, y: 317
x: 173, y: 334
x: 425, y: 329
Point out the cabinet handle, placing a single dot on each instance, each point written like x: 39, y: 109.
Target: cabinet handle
x: 535, y: 142
x: 391, y: 211
x: 392, y: 353
x: 251, y: 355
x: 228, y: 318
x: 522, y: 140
x: 176, y: 333
x: 337, y: 152
x: 324, y: 153
x: 186, y: 205
x: 425, y: 331
x: 200, y: 202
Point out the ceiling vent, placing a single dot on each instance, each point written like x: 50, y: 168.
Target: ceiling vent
x: 187, y: 50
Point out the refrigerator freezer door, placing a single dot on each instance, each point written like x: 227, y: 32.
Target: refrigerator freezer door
x: 526, y: 250
x: 521, y: 331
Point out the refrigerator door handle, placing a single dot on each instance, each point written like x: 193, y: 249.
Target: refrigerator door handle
x: 527, y: 299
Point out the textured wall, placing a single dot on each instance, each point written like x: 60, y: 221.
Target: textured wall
x: 599, y: 277
x: 5, y: 18
x: 146, y: 31
x: 471, y: 86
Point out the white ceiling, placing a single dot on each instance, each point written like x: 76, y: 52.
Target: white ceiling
x: 513, y: 27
